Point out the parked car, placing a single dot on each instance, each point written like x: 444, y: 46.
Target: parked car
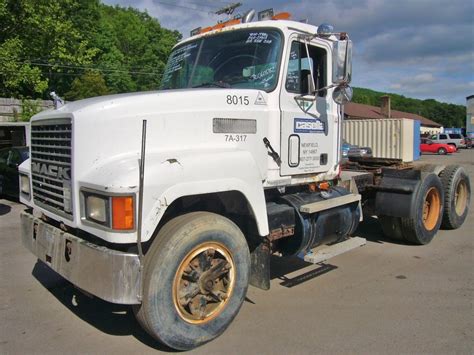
x: 351, y: 150
x: 428, y: 146
x: 10, y: 158
x: 455, y: 139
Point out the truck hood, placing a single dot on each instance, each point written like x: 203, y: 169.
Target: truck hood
x: 160, y: 101
x: 107, y: 130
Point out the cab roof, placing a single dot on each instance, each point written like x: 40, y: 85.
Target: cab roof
x: 283, y: 25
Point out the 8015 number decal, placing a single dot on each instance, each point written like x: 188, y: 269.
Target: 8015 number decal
x: 237, y: 100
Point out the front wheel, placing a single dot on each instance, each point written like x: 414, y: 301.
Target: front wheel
x: 195, y: 280
x: 442, y: 151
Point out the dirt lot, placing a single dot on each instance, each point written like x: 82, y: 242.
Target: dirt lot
x: 382, y: 298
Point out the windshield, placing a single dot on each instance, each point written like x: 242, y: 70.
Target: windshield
x: 240, y: 59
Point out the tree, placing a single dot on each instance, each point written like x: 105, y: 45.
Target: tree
x: 18, y: 78
x: 90, y: 84
x: 45, y: 37
x: 134, y: 48
x: 448, y: 115
x: 45, y: 45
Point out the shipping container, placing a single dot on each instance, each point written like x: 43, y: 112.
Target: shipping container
x: 394, y: 138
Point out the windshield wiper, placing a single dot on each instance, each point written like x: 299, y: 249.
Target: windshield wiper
x: 217, y: 84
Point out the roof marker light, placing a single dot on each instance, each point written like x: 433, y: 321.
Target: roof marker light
x: 281, y: 16
x: 205, y: 29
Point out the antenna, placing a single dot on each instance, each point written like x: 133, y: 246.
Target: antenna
x: 229, y: 9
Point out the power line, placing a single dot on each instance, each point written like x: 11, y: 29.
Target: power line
x: 47, y: 60
x: 85, y: 68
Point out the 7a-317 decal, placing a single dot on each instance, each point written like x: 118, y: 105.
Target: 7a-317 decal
x: 235, y: 137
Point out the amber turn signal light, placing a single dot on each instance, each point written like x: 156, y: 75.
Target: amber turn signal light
x: 122, y: 212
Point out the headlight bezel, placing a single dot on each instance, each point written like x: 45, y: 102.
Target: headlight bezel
x: 108, y: 225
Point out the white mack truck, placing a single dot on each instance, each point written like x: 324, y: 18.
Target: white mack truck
x: 173, y: 201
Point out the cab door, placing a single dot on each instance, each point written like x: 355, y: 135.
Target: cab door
x: 308, y: 137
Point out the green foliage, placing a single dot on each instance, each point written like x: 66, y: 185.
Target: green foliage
x: 54, y: 45
x: 29, y: 108
x: 18, y: 78
x: 89, y: 84
x: 448, y: 115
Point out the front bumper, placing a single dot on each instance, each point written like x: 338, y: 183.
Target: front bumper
x: 111, y: 275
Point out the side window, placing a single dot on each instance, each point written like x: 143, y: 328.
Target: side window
x: 300, y: 66
x: 443, y: 136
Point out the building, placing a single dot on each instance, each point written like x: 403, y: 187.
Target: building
x: 470, y: 116
x: 353, y: 111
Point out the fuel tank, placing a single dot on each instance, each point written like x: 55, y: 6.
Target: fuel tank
x: 324, y: 227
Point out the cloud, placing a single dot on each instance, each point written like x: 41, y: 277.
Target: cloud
x: 416, y: 81
x: 410, y: 44
x: 421, y: 48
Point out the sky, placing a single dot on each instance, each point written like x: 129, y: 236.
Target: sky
x: 417, y: 48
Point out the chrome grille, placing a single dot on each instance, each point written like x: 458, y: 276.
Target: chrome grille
x: 51, y: 165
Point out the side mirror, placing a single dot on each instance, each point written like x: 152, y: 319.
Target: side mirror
x: 342, y: 94
x: 342, y: 62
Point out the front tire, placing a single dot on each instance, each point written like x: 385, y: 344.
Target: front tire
x: 457, y: 195
x: 195, y: 280
x: 442, y: 151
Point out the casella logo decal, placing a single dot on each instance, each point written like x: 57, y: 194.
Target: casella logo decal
x: 308, y: 125
x: 54, y: 171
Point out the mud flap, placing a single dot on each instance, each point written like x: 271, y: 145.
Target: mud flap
x: 397, y: 192
x: 260, y: 266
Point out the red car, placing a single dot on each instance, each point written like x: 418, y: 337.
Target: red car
x: 428, y: 146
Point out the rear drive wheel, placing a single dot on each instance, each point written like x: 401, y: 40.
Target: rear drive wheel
x: 424, y: 223
x: 457, y: 195
x: 195, y: 280
x: 442, y: 151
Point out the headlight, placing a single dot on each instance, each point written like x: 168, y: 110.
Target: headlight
x: 363, y: 151
x: 112, y: 212
x: 25, y: 185
x: 97, y: 209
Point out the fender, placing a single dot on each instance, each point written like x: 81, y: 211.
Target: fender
x: 171, y: 175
